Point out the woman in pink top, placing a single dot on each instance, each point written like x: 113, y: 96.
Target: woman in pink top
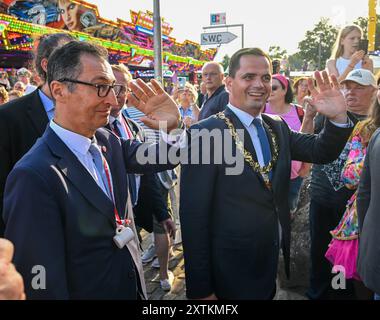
x: 280, y: 103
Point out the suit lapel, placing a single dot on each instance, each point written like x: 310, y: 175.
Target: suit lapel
x: 248, y: 145
x: 37, y: 114
x: 74, y: 171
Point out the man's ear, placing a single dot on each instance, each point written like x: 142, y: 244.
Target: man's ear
x: 228, y: 81
x: 58, y: 91
x: 44, y: 63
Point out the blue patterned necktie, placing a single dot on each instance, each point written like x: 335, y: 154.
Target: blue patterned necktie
x: 98, y: 161
x: 264, y: 142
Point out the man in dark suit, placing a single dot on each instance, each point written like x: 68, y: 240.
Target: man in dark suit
x: 216, y: 97
x: 65, y: 205
x: 147, y: 198
x: 233, y: 225
x: 24, y: 120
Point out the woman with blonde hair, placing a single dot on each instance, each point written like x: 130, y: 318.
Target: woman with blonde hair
x: 301, y: 90
x: 186, y: 99
x: 346, y: 55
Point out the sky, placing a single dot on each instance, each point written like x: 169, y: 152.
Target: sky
x: 266, y: 22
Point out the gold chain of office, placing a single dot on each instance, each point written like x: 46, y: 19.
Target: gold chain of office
x: 264, y: 171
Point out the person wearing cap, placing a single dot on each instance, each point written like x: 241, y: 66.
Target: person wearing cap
x: 24, y: 75
x: 328, y: 194
x: 343, y: 248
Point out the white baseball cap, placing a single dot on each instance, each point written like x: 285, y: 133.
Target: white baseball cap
x: 361, y: 76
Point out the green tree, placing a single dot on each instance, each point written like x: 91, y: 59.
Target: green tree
x: 226, y: 62
x: 363, y: 23
x: 275, y: 52
x: 295, y: 61
x: 318, y: 43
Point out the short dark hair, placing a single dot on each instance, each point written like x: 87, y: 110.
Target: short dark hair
x: 47, y: 43
x: 65, y: 61
x: 235, y: 59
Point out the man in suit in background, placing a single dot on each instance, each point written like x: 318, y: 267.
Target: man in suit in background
x: 65, y: 205
x: 216, y: 98
x: 24, y: 120
x: 147, y: 198
x: 234, y: 225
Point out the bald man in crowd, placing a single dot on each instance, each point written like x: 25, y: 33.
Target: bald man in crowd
x: 216, y: 98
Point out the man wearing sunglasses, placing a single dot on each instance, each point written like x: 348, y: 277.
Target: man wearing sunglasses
x: 65, y: 205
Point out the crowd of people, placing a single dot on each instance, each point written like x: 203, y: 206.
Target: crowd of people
x: 75, y: 193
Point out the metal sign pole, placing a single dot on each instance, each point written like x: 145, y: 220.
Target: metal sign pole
x: 157, y: 35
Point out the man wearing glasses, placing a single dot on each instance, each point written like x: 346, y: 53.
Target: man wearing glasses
x: 65, y: 205
x: 216, y: 98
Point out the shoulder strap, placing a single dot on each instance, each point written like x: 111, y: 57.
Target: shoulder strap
x: 300, y: 112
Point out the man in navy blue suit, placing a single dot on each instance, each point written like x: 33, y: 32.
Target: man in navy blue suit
x: 65, y: 205
x: 233, y: 226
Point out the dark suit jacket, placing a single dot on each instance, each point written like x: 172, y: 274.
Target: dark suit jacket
x: 22, y: 122
x: 368, y: 204
x: 150, y: 199
x: 230, y: 223
x: 214, y: 104
x: 57, y: 217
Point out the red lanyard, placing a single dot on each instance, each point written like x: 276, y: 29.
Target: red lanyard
x: 117, y: 217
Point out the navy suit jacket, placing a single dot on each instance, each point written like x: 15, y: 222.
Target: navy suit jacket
x: 22, y: 122
x: 230, y: 223
x: 57, y: 217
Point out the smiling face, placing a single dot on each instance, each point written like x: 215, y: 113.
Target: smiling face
x: 251, y: 86
x: 70, y: 14
x: 82, y: 110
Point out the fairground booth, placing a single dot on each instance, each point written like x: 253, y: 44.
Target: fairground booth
x: 131, y: 43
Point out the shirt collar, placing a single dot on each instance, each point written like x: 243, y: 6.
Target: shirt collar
x: 74, y: 141
x: 112, y: 119
x: 46, y: 101
x: 243, y: 116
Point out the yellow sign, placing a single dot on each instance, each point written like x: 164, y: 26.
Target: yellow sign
x: 372, y: 25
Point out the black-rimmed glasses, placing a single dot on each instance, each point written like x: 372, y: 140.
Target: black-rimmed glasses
x: 103, y: 89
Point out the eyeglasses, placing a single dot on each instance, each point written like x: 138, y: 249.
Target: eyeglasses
x: 274, y: 88
x: 103, y: 89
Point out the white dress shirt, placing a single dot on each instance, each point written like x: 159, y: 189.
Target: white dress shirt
x: 246, y: 119
x: 79, y: 145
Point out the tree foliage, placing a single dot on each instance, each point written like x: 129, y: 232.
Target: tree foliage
x: 275, y: 52
x: 363, y: 23
x: 323, y: 35
x: 226, y: 62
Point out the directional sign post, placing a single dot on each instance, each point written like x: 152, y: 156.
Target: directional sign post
x: 217, y: 38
